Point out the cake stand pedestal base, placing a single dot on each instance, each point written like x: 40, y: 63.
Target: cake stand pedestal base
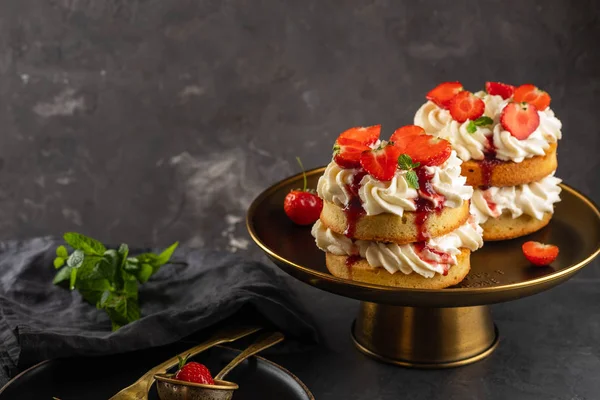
x: 420, y: 337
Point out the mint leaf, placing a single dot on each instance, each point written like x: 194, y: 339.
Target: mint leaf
x: 412, y: 179
x: 59, y: 262
x: 84, y: 243
x: 165, y: 256
x: 91, y: 296
x: 471, y: 127
x: 63, y: 275
x: 130, y: 288
x: 133, y: 310
x: 61, y: 251
x: 132, y: 265
x: 120, y: 309
x: 91, y: 269
x: 405, y: 162
x: 95, y: 285
x: 105, y: 296
x: 148, y: 258
x: 107, y: 268
x: 145, y: 272
x: 123, y: 252
x: 75, y: 259
x: 114, y: 267
x: 482, y: 121
x: 73, y: 278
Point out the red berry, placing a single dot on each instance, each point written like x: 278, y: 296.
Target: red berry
x: 500, y: 89
x: 346, y: 152
x: 401, y: 134
x: 363, y: 134
x: 520, y: 119
x: 381, y: 163
x: 196, y: 373
x: 421, y: 147
x: 465, y: 106
x: 443, y: 93
x: 540, y: 254
x: 532, y: 95
x: 303, y: 208
x: 425, y: 149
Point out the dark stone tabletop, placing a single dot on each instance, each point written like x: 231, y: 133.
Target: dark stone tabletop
x: 149, y: 121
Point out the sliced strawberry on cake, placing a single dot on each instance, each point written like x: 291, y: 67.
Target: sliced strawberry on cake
x: 500, y: 89
x: 532, y: 95
x: 443, y: 93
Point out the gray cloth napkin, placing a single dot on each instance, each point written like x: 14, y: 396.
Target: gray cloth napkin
x: 39, y: 320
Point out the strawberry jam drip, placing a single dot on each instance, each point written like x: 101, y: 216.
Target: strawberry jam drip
x: 351, y: 260
x: 425, y: 203
x: 488, y: 163
x: 487, y: 196
x: 445, y: 258
x: 354, y: 210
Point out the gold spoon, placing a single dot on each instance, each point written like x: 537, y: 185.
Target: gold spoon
x: 139, y: 389
x: 173, y: 389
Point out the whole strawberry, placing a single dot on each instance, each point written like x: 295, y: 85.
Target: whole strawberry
x: 303, y: 207
x: 193, y: 372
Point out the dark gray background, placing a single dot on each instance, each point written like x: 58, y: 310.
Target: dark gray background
x: 149, y: 121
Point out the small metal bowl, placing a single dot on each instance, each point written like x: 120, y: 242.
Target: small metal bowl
x: 173, y: 389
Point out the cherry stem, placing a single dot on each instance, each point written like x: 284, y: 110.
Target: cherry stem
x: 303, y: 173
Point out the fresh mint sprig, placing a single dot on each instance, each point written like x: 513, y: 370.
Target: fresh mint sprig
x: 107, y: 278
x: 406, y: 163
x: 481, y: 121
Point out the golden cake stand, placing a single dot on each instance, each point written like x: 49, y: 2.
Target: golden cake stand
x: 425, y: 328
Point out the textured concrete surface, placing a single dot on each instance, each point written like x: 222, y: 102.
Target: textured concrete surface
x: 149, y: 121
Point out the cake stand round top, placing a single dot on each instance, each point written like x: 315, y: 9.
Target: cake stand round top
x: 499, y: 271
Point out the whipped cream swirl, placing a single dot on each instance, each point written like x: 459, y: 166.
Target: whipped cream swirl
x: 437, y: 256
x: 439, y: 122
x: 534, y: 199
x: 394, y: 196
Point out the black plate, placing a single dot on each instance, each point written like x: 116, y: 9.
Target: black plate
x: 101, y: 377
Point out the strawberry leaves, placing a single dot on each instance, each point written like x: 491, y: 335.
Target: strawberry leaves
x: 406, y: 163
x: 109, y: 278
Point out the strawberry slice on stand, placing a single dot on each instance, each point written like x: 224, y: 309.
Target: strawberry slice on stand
x: 500, y: 89
x: 443, y: 93
x: 381, y: 163
x: 520, y: 119
x: 466, y: 106
x: 421, y: 147
x: 532, y: 95
x: 539, y: 254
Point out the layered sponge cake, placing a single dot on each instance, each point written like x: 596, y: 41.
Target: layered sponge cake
x: 507, y: 139
x: 396, y: 213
